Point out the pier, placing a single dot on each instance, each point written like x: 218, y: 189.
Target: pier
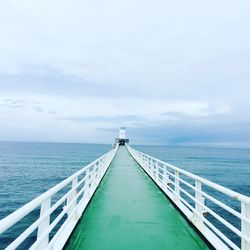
x: 129, y: 212
x: 127, y: 199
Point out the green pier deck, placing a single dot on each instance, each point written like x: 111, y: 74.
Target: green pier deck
x: 128, y: 211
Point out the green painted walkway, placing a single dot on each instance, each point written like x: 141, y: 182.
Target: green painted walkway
x: 129, y: 212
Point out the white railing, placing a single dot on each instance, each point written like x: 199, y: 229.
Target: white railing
x: 77, y: 191
x: 188, y: 192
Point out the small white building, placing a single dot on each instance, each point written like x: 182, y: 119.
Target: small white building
x: 122, y: 137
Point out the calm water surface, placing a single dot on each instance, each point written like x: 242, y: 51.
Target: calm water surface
x: 29, y: 169
x: 228, y: 167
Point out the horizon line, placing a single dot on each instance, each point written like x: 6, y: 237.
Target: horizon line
x: 157, y: 145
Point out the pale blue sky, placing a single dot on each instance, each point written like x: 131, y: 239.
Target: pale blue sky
x: 172, y: 72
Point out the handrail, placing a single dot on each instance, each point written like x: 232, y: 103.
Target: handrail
x: 169, y: 177
x: 220, y: 188
x: 92, y: 175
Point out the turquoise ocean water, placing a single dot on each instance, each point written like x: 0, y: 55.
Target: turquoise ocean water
x: 29, y: 169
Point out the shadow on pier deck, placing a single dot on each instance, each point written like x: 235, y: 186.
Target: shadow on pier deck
x: 128, y: 211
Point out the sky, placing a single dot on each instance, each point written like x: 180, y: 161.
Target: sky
x: 171, y: 72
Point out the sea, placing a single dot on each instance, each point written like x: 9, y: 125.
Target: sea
x: 27, y: 169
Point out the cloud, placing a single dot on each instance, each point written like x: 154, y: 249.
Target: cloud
x: 170, y: 74
x: 12, y: 103
x: 39, y: 109
x: 25, y: 103
x: 102, y: 119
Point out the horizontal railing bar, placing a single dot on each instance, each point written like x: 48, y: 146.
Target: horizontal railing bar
x: 219, y: 203
x: 50, y: 228
x: 67, y: 208
x: 64, y: 211
x: 11, y: 219
x: 227, y: 240
x: 72, y: 213
x: 159, y: 171
x: 226, y: 207
x: 92, y: 171
x: 62, y: 226
x: 218, y: 217
x: 33, y: 226
x: 218, y: 232
x: 218, y: 187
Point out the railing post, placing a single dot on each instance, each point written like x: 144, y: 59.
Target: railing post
x: 97, y: 172
x: 160, y: 176
x: 89, y: 183
x: 143, y: 162
x: 141, y: 159
x: 72, y: 197
x: 152, y: 167
x: 177, y: 185
x: 199, y: 198
x: 98, y: 169
x: 245, y: 226
x: 44, y: 224
x: 155, y: 169
x: 103, y: 164
x: 147, y: 164
x: 165, y: 175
